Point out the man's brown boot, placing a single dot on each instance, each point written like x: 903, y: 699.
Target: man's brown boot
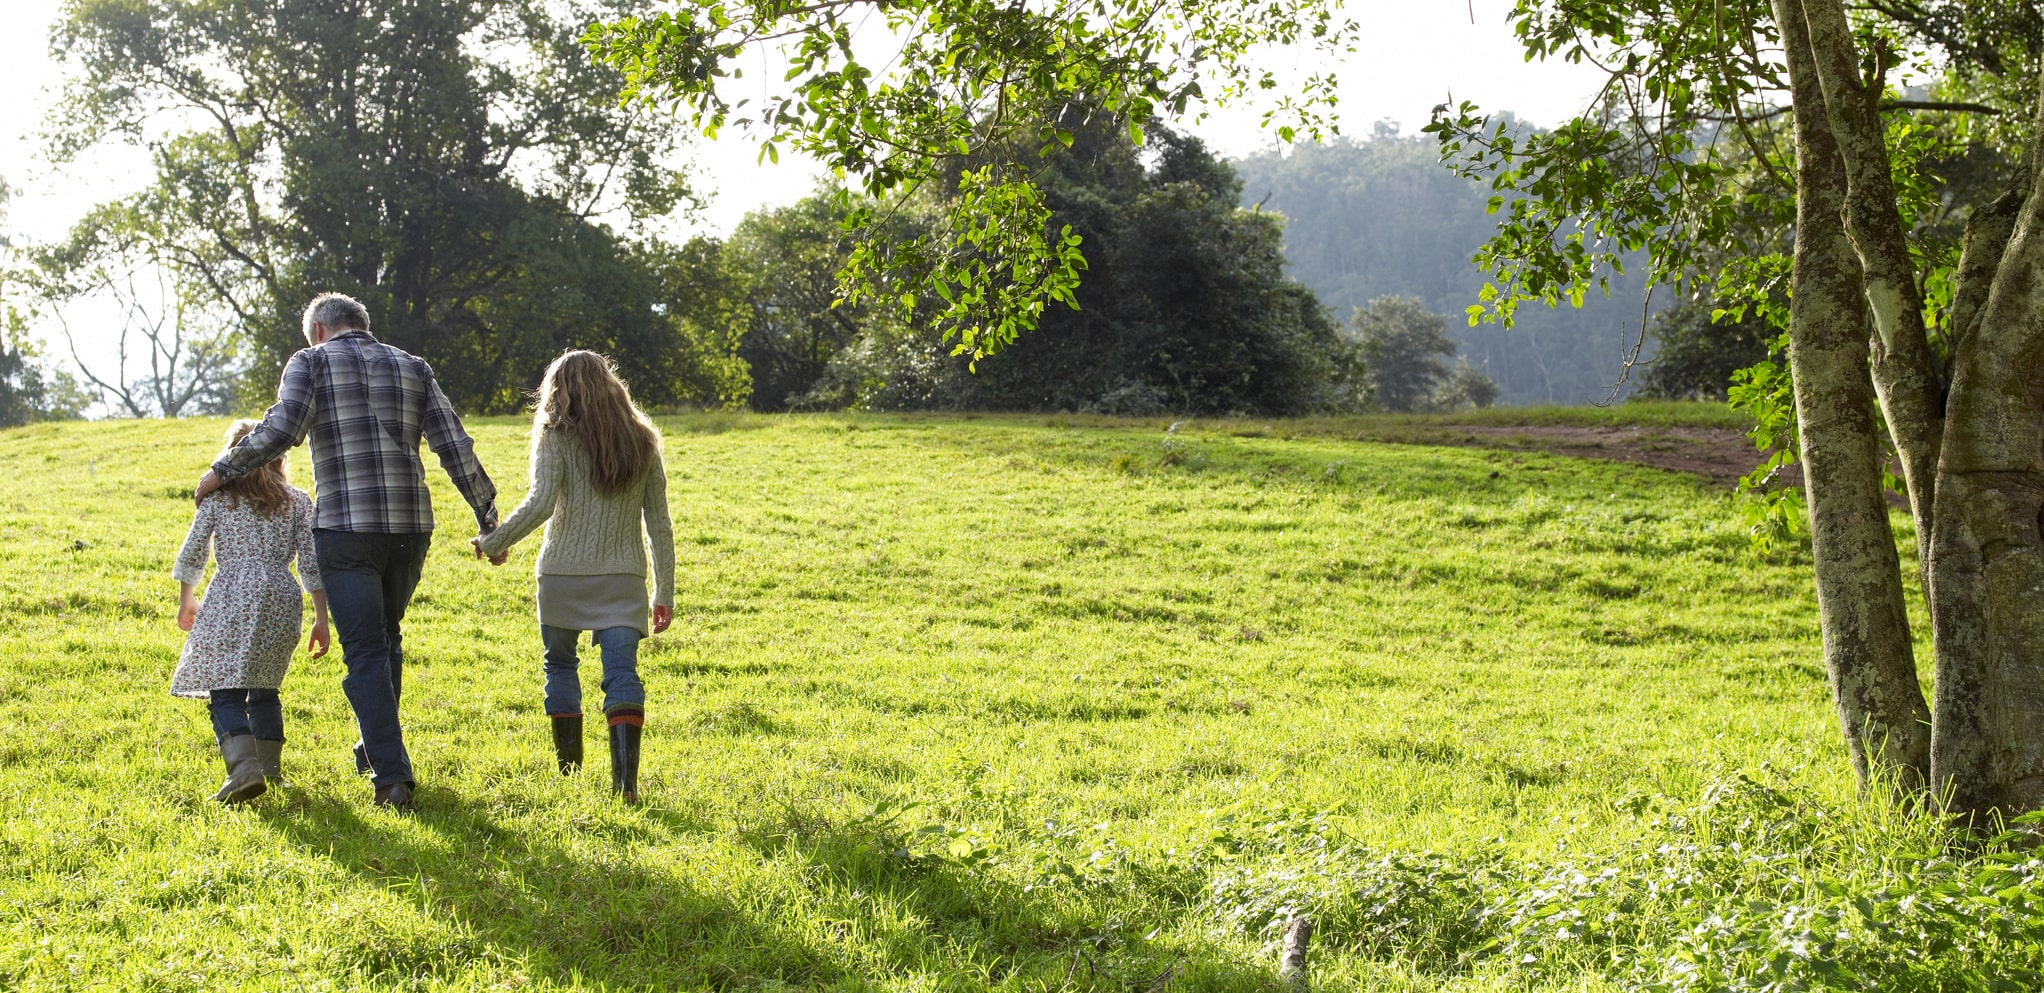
x: 396, y: 796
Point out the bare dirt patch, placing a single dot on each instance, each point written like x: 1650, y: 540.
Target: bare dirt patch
x: 1721, y: 455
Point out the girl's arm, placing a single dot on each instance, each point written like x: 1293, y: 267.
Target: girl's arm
x: 306, y: 552
x: 660, y: 528
x: 321, y: 640
x: 187, y: 607
x: 190, y: 566
x: 538, y: 504
x: 309, y: 575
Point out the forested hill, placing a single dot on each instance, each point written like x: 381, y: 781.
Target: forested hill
x: 1381, y: 216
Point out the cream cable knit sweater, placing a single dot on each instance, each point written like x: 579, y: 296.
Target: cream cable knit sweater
x: 591, y: 534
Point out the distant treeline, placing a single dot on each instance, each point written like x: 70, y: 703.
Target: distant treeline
x: 1366, y: 218
x: 1185, y: 308
x: 1330, y: 279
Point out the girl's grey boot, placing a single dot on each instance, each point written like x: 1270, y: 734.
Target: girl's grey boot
x: 271, y: 755
x: 244, y: 770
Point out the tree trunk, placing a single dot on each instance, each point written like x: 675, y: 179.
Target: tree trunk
x: 1978, y: 504
x: 1868, y: 654
x: 1987, y: 566
x: 1905, y: 371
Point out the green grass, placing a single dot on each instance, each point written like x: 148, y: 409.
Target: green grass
x: 958, y: 703
x: 1657, y: 425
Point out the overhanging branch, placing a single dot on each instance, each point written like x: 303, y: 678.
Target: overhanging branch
x: 1952, y: 106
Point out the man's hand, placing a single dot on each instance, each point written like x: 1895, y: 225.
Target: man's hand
x: 187, y: 613
x: 208, y: 485
x: 320, y: 641
x: 498, y: 559
x: 663, y: 615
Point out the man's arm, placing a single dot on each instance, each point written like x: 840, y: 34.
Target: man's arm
x: 284, y: 426
x: 448, y: 440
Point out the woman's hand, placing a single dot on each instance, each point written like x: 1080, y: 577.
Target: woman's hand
x: 187, y: 612
x: 663, y: 615
x: 498, y: 559
x: 321, y: 639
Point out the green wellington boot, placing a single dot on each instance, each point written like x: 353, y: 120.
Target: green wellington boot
x: 568, y: 742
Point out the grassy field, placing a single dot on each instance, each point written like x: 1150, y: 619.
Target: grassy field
x: 962, y: 703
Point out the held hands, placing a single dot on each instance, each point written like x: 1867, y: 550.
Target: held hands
x: 320, y: 641
x: 187, y: 612
x: 208, y: 484
x: 663, y: 615
x: 498, y: 559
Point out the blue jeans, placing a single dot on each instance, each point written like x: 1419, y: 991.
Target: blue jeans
x: 621, y: 686
x: 369, y: 582
x: 250, y: 711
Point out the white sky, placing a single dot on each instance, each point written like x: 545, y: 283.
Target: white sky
x: 1411, y: 56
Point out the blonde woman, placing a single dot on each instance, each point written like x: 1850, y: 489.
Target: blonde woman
x: 598, y: 483
x: 242, y: 636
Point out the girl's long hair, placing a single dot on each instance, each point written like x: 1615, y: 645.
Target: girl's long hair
x: 267, y: 489
x: 582, y: 397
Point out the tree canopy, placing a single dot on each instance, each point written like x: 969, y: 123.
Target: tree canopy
x: 451, y: 164
x: 1403, y: 350
x: 897, y: 96
x: 1186, y: 307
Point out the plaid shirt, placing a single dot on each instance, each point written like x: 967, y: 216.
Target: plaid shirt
x: 366, y: 405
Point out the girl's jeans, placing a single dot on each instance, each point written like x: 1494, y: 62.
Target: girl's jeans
x: 621, y: 687
x: 247, y: 711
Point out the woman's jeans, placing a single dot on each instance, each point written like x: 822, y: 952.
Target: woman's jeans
x: 621, y: 687
x: 239, y: 711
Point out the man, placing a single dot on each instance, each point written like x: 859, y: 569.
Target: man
x: 366, y: 406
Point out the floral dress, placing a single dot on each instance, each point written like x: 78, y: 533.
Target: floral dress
x: 248, y: 623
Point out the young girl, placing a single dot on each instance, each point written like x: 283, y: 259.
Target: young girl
x: 598, y: 483
x: 243, y: 634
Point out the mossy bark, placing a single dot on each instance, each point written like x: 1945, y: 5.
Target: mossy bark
x: 1972, y: 445
x: 1987, y: 568
x: 1868, y: 654
x: 1904, y: 368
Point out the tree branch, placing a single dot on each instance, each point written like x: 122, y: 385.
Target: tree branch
x: 1952, y: 106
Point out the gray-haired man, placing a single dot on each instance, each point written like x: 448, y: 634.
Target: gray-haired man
x: 366, y: 406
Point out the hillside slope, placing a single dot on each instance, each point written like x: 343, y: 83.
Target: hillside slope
x: 949, y: 703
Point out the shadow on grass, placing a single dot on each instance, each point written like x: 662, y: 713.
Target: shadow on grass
x: 830, y: 906
x: 531, y: 907
x: 913, y: 909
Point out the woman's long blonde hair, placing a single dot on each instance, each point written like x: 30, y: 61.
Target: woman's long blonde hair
x: 266, y: 488
x: 582, y: 396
